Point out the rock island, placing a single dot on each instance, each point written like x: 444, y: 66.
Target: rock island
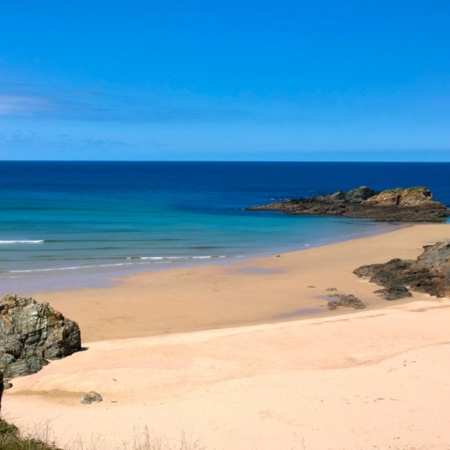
x: 414, y: 204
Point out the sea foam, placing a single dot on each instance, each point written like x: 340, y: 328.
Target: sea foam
x: 12, y: 242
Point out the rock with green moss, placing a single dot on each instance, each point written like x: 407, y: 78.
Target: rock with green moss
x: 32, y: 333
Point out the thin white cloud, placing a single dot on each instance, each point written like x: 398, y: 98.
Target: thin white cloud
x: 22, y: 105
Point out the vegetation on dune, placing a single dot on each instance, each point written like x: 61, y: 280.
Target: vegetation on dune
x: 11, y: 440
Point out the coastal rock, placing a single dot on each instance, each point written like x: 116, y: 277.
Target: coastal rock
x: 394, y: 292
x: 413, y: 204
x: 358, y: 195
x: 429, y: 273
x: 347, y: 300
x: 31, y: 333
x: 90, y: 397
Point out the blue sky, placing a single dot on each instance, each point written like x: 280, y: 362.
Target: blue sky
x: 236, y: 80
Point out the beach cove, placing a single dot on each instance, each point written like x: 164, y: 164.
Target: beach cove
x: 245, y: 355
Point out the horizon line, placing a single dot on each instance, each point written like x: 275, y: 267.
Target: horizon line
x: 216, y: 161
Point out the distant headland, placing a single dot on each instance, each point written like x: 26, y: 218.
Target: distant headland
x: 414, y: 204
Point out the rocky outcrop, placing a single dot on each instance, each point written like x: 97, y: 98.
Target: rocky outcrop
x: 429, y: 273
x: 394, y: 292
x: 414, y: 204
x: 347, y: 300
x: 31, y: 333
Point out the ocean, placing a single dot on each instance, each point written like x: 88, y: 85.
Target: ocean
x: 67, y: 225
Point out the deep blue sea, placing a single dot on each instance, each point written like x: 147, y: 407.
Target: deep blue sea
x: 73, y: 224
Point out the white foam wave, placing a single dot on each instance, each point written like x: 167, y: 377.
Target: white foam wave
x: 54, y: 269
x: 154, y: 259
x: 39, y: 241
x: 159, y: 258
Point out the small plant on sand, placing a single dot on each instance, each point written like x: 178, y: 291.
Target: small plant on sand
x: 11, y: 440
x: 145, y: 441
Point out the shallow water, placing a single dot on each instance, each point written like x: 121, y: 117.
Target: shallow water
x: 67, y: 225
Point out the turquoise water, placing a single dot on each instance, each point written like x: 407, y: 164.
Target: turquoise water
x: 69, y: 225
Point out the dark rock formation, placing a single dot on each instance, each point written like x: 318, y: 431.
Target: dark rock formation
x: 90, y: 397
x: 429, y: 273
x: 350, y: 301
x: 396, y: 205
x: 31, y: 333
x: 394, y: 292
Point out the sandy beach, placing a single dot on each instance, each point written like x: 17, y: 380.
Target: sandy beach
x: 246, y: 356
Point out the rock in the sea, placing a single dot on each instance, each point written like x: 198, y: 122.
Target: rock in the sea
x: 359, y: 194
x: 429, y: 273
x: 413, y: 204
x: 348, y: 300
x: 31, y: 333
x: 90, y: 397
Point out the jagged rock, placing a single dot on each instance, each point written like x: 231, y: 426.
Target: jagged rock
x: 401, y: 197
x: 91, y: 397
x: 360, y: 194
x: 31, y: 333
x: 395, y: 205
x: 348, y: 300
x: 429, y: 273
x: 394, y: 292
x: 394, y: 272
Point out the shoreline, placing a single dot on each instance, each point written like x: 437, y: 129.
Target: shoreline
x: 269, y: 289
x: 197, y: 353
x: 102, y: 276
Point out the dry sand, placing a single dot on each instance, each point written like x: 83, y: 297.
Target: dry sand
x: 243, y: 365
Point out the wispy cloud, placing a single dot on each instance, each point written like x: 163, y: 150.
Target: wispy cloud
x: 13, y: 105
x: 151, y: 106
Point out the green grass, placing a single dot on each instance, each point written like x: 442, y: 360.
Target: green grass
x: 400, y: 190
x: 11, y: 440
